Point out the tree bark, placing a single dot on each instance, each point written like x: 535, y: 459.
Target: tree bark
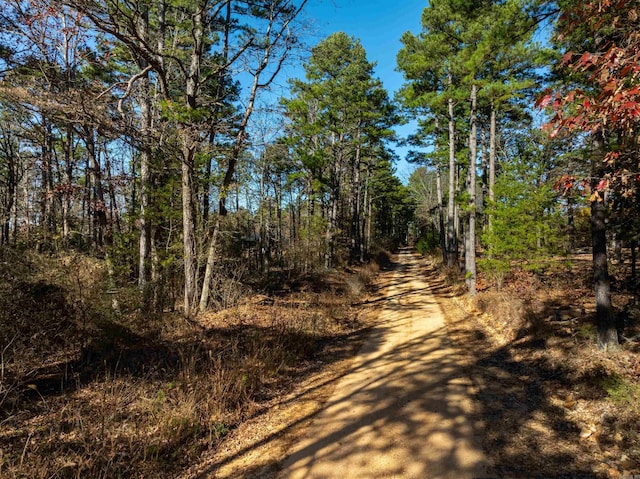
x: 211, y: 260
x: 492, y: 154
x: 470, y: 247
x: 571, y: 224
x: 98, y: 211
x: 364, y: 249
x: 484, y: 178
x: 492, y: 159
x: 607, y: 334
x: 189, y: 145
x: 634, y: 249
x: 188, y: 230
x: 356, y: 243
x: 144, y: 245
x: 439, y: 193
x: 452, y: 243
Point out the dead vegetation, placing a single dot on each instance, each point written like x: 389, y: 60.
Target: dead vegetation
x: 552, y: 405
x: 89, y: 391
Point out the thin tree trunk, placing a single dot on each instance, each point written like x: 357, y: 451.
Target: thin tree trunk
x: 470, y: 253
x: 484, y: 185
x: 571, y: 224
x: 12, y: 185
x: 211, y: 260
x: 98, y: 203
x: 452, y: 243
x: 113, y: 204
x: 356, y: 246
x: 48, y: 219
x: 617, y: 247
x: 492, y: 157
x: 27, y: 209
x: 66, y: 200
x: 441, y: 227
x: 364, y: 250
x: 439, y: 193
x: 310, y: 215
x: 145, y: 170
x: 634, y: 249
x: 369, y: 214
x: 86, y: 223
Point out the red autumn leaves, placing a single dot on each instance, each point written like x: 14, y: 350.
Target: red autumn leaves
x: 605, y: 96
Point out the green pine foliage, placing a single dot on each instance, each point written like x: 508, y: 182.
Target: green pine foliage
x: 526, y: 222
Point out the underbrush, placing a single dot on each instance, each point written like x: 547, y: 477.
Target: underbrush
x: 553, y: 405
x: 91, y: 391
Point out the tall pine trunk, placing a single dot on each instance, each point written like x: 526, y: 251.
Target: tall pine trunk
x: 144, y: 244
x: 356, y: 243
x: 492, y: 158
x: 439, y: 193
x: 452, y: 242
x: 470, y: 237
x: 189, y: 146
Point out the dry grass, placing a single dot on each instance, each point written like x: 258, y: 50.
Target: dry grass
x: 89, y: 392
x: 552, y: 405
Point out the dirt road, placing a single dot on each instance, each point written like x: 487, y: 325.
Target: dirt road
x: 402, y: 410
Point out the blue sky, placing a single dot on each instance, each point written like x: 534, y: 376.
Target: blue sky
x: 378, y: 24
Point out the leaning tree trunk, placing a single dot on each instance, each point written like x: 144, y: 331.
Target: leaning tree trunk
x: 209, y: 269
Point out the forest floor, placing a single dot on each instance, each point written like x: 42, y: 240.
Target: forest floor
x: 259, y: 389
x: 537, y: 396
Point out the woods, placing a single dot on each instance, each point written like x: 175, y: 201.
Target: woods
x: 161, y: 168
x: 121, y: 105
x: 478, y: 67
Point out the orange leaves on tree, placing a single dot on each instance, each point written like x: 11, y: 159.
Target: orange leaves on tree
x: 544, y: 99
x: 567, y: 58
x: 611, y: 157
x: 565, y: 184
x: 612, y: 101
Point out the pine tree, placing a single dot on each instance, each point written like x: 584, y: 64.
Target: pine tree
x: 339, y: 117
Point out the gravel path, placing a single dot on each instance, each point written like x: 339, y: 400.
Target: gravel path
x: 402, y: 410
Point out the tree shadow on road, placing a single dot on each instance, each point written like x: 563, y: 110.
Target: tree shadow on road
x: 497, y: 401
x: 522, y: 398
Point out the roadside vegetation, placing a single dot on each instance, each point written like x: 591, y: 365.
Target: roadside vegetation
x: 178, y: 247
x: 552, y: 404
x: 89, y: 391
